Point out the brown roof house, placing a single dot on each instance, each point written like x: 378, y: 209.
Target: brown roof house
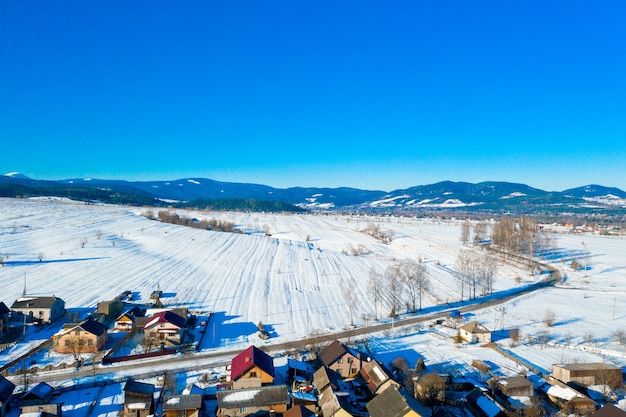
x: 376, y: 376
x: 474, y: 332
x: 429, y: 387
x: 138, y: 399
x: 250, y: 401
x: 587, y: 374
x: 347, y: 362
x: 334, y: 404
x: 42, y: 309
x: 609, y: 410
x: 87, y: 337
x: 567, y: 398
x: 252, y: 368
x: 4, y: 319
x: 182, y: 405
x: 391, y: 403
x: 299, y: 411
x: 6, y: 394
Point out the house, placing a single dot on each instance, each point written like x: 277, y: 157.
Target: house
x: 474, y: 332
x: 376, y: 376
x: 346, y: 361
x: 587, y: 374
x: 334, y: 404
x: 481, y: 405
x: 38, y: 400
x: 42, y: 309
x: 517, y: 386
x: 428, y: 387
x: 4, y: 319
x: 249, y: 401
x: 182, y: 405
x: 6, y: 394
x: 391, y: 403
x: 567, y: 398
x: 252, y: 368
x: 138, y: 399
x: 324, y: 378
x: 126, y: 321
x: 299, y: 411
x: 38, y: 395
x: 609, y: 410
x: 165, y: 328
x: 87, y: 337
x: 111, y: 308
x: 306, y: 400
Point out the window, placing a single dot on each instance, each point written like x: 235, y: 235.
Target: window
x: 90, y: 342
x: 67, y: 342
x: 350, y: 360
x: 339, y: 360
x: 253, y: 374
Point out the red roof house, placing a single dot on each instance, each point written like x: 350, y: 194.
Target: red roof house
x: 252, y: 368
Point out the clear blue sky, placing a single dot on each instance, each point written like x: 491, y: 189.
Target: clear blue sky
x: 369, y: 94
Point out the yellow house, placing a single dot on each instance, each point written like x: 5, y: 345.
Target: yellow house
x: 86, y: 337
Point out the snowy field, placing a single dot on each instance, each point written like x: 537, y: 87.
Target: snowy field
x: 291, y: 280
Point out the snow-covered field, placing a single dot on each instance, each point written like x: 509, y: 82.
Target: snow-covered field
x: 292, y: 280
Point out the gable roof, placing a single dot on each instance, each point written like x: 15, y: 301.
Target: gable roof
x: 132, y: 313
x: 182, y: 402
x: 140, y: 388
x: 389, y: 403
x: 374, y: 374
x: 248, y: 359
x: 324, y: 377
x: 475, y: 327
x: 4, y: 309
x: 298, y: 411
x: 336, y: 350
x: 40, y: 392
x: 6, y: 389
x: 36, y: 302
x: 250, y: 397
x: 609, y: 410
x: 165, y: 317
x: 90, y: 326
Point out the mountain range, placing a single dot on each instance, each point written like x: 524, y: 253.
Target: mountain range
x: 491, y: 196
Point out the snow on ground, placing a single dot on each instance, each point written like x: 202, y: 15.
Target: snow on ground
x: 291, y: 280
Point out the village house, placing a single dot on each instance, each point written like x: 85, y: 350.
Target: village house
x: 325, y: 377
x: 481, y: 404
x: 252, y: 368
x: 110, y: 308
x: 138, y: 399
x: 165, y: 328
x: 587, y: 374
x: 87, y: 337
x: 42, y: 309
x: 334, y: 404
x: 182, y: 405
x: 6, y: 394
x: 299, y: 411
x: 430, y: 386
x: 252, y: 401
x: 517, y: 386
x: 38, y: 400
x: 392, y: 403
x: 4, y: 319
x: 474, y: 332
x: 347, y: 362
x: 376, y: 376
x: 126, y: 322
x: 567, y: 398
x: 609, y: 410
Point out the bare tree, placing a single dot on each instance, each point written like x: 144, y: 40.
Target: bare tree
x: 465, y: 232
x: 347, y: 291
x: 375, y: 287
x: 413, y: 276
x: 480, y: 231
x: 392, y: 291
x: 549, y: 317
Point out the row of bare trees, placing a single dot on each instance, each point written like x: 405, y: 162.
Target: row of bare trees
x: 405, y: 281
x: 475, y: 271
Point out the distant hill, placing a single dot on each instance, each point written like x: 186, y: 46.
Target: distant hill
x: 490, y: 196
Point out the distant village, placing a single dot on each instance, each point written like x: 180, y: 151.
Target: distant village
x: 334, y: 380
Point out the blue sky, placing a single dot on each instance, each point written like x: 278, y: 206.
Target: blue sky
x: 368, y: 94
